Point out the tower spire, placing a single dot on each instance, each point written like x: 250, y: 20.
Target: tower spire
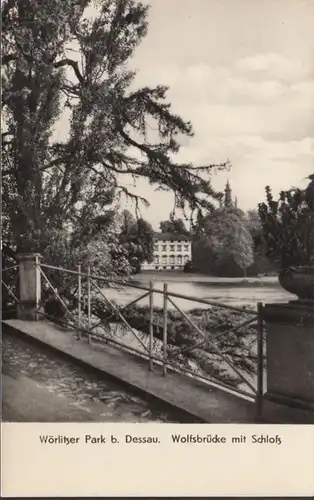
x: 228, y: 195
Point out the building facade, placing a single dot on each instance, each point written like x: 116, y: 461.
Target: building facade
x: 171, y: 252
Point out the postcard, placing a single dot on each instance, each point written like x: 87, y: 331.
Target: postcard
x: 157, y: 248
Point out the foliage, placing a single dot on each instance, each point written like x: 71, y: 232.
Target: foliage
x: 254, y: 225
x: 137, y: 238
x: 261, y: 264
x: 242, y: 246
x: 174, y: 225
x: 60, y: 63
x: 225, y: 237
x: 104, y: 255
x: 239, y: 346
x: 288, y: 227
x: 188, y: 267
x: 205, y: 259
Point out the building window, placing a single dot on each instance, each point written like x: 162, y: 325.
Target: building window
x: 164, y: 259
x: 164, y: 248
x: 179, y: 260
x: 186, y: 248
x: 171, y: 248
x: 186, y: 259
x: 156, y: 259
x: 171, y: 260
x: 179, y: 248
x: 156, y: 248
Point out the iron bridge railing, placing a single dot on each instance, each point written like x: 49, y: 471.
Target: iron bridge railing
x: 113, y: 323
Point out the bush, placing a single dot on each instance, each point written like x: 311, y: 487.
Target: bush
x: 239, y: 346
x: 288, y: 227
x: 188, y: 267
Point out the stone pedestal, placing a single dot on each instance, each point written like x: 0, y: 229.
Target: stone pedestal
x: 30, y: 287
x: 290, y: 354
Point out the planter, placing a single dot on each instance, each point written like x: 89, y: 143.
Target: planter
x: 299, y: 281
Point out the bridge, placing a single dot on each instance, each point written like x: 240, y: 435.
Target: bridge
x: 40, y: 385
x: 144, y: 358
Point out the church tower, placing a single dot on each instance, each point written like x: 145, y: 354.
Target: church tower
x: 228, y: 196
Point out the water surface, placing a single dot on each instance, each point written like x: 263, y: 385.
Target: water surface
x: 231, y: 291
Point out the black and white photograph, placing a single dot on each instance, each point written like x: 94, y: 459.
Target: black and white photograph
x: 158, y: 211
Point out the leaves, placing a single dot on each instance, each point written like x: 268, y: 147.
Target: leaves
x: 240, y: 346
x: 54, y: 58
x: 174, y: 225
x: 226, y: 236
x: 137, y: 238
x: 288, y: 227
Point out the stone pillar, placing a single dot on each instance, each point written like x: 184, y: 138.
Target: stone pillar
x: 290, y: 354
x: 30, y: 286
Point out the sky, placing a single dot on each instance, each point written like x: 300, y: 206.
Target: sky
x: 242, y: 71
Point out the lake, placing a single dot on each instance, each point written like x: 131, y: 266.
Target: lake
x: 231, y: 291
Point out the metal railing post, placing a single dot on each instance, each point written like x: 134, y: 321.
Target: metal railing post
x: 165, y: 329
x: 151, y: 325
x: 79, y: 310
x: 89, y: 304
x: 260, y: 361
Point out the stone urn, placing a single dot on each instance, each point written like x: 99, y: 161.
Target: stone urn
x: 298, y: 281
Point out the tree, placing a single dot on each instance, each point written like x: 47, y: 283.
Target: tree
x: 261, y: 263
x: 103, y: 253
x: 173, y: 225
x: 55, y: 58
x: 242, y: 246
x: 137, y: 237
x: 254, y: 221
x: 226, y: 241
x: 288, y: 227
x: 203, y: 256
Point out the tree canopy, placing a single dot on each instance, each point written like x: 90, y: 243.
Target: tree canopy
x: 288, y: 226
x: 223, y: 240
x: 174, y: 225
x: 137, y: 238
x: 61, y: 62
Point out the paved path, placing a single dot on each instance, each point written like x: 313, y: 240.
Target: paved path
x: 191, y: 398
x: 38, y: 386
x: 27, y: 400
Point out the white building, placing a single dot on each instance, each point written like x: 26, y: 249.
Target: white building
x: 171, y: 251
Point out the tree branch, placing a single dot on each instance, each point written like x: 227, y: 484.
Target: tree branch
x: 74, y: 65
x: 133, y: 196
x: 64, y: 62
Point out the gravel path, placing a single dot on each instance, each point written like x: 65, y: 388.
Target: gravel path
x: 38, y: 386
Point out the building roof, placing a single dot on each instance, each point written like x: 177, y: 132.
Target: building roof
x: 171, y: 237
